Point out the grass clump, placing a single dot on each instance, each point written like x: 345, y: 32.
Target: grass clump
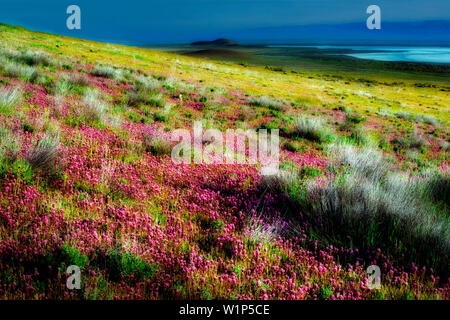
x: 139, y: 96
x: 27, y: 73
x: 416, y: 141
x: 436, y: 186
x: 70, y: 84
x: 413, y: 141
x: 93, y: 109
x: 156, y: 100
x: 259, y: 231
x: 428, y: 120
x: 123, y: 264
x: 310, y: 172
x: 33, y: 58
x: 28, y: 57
x: 9, y: 98
x: 444, y: 145
x: 9, y: 147
x: 383, y: 112
x: 65, y: 88
x: 78, y: 79
x: 105, y: 72
x: 354, y: 117
x: 268, y: 103
x: 145, y: 92
x: 246, y: 114
x: 160, y: 117
x: 369, y: 206
x: 404, y: 115
x: 157, y: 145
x: 312, y: 129
x: 73, y: 256
x: 360, y: 137
x: 147, y: 83
x: 43, y: 156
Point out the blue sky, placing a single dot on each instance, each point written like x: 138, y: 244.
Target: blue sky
x: 186, y: 20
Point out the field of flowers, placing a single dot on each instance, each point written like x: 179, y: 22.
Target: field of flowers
x: 86, y: 178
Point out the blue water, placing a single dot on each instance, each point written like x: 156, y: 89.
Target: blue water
x: 390, y: 53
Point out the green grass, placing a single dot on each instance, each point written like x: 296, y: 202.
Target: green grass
x: 126, y: 264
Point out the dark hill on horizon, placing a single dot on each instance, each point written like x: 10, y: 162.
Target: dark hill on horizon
x: 222, y: 42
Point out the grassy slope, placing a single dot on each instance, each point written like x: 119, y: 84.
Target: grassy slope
x: 212, y: 230
x: 347, y: 78
x: 257, y: 81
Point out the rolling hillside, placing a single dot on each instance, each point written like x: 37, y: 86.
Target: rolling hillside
x: 87, y: 179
